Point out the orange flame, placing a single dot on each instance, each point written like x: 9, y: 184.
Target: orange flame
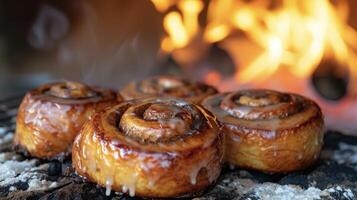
x: 293, y: 36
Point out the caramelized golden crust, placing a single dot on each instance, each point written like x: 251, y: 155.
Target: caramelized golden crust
x: 267, y: 130
x: 168, y: 86
x: 51, y: 116
x: 159, y: 147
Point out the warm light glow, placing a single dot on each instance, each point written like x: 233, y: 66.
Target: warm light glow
x: 243, y: 18
x: 175, y: 28
x: 162, y: 5
x: 166, y: 45
x: 212, y: 78
x: 191, y: 10
x: 291, y: 36
x: 216, y: 33
x: 266, y: 64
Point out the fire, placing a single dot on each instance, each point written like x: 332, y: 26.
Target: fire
x: 295, y: 35
x: 175, y: 28
x: 275, y: 44
x: 180, y: 28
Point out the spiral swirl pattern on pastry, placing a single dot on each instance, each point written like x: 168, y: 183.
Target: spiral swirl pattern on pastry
x: 269, y: 130
x: 155, y: 147
x: 168, y: 86
x: 51, y: 116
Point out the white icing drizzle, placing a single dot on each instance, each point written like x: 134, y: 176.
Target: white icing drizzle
x: 149, y: 162
x: 108, y: 186
x: 165, y: 164
x: 39, y: 115
x: 116, y: 155
x: 124, y: 189
x: 84, y: 151
x: 275, y: 124
x: 196, y: 169
x: 129, y: 184
x: 193, y: 173
x: 150, y: 165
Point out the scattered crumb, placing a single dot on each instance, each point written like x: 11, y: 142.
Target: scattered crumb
x: 347, y: 193
x: 285, y: 192
x: 12, y: 189
x: 346, y: 154
x: 274, y: 191
x: 11, y: 168
x: 38, y: 184
x: 14, y: 170
x: 241, y: 185
x: 53, y: 185
x: 237, y: 184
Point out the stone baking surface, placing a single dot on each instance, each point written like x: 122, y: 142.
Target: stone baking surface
x: 334, y: 176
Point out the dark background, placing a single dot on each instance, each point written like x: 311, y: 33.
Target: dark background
x: 99, y: 42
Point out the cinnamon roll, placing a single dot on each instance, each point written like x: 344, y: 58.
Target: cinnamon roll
x: 168, y: 86
x: 51, y: 116
x: 268, y: 130
x: 154, y: 147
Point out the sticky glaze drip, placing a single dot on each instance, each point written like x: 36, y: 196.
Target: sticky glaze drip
x: 279, y: 132
x: 124, y: 157
x: 52, y: 117
x: 206, y: 164
x: 129, y: 184
x: 108, y: 186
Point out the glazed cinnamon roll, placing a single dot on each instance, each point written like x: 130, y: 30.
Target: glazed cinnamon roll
x: 267, y: 130
x: 168, y: 86
x: 162, y: 147
x: 51, y: 116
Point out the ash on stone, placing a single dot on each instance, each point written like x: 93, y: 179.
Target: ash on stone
x: 334, y: 176
x: 17, y: 173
